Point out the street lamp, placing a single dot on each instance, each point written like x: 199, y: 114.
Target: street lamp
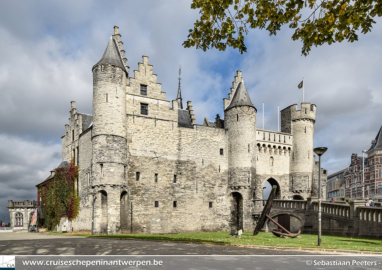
x: 94, y: 198
x: 363, y: 173
x: 319, y: 151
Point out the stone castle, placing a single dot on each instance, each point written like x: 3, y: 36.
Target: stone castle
x: 147, y: 167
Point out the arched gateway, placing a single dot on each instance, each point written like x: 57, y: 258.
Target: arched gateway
x: 236, y: 221
x: 267, y: 187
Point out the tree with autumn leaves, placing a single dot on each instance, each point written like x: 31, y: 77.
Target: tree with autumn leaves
x: 59, y: 197
x: 224, y: 23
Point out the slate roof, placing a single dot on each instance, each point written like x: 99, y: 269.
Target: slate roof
x: 184, y: 119
x: 377, y: 143
x: 240, y: 97
x: 112, y: 56
x: 63, y: 165
x: 87, y: 120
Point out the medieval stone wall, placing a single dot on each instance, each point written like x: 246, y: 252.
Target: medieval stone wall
x: 168, y: 164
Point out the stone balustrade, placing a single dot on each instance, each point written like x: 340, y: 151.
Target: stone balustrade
x: 339, y: 210
x: 370, y: 214
x: 25, y: 203
x: 353, y: 219
x: 290, y: 204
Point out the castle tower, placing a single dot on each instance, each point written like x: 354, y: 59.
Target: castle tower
x: 240, y: 123
x: 109, y: 145
x: 300, y: 123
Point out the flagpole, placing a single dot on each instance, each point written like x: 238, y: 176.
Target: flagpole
x: 303, y: 89
x: 263, y: 115
x: 278, y: 118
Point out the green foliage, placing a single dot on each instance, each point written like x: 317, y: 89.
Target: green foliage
x: 223, y: 23
x: 59, y: 197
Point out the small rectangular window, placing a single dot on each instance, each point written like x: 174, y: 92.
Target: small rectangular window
x: 156, y: 178
x: 174, y: 178
x: 143, y: 90
x: 380, y: 160
x: 107, y: 97
x: 73, y: 135
x: 221, y: 151
x: 137, y: 175
x: 144, y: 109
x: 156, y: 204
x: 175, y: 203
x: 380, y: 174
x: 210, y: 204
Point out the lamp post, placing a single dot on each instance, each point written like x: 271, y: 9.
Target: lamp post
x: 319, y: 151
x: 94, y: 198
x: 363, y: 173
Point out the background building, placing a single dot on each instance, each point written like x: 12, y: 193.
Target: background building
x: 371, y: 164
x: 21, y: 213
x: 333, y: 186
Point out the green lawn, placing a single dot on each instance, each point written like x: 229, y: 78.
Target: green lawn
x: 262, y: 239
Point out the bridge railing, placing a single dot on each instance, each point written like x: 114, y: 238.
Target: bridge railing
x: 285, y: 204
x: 370, y: 214
x: 335, y: 209
x: 290, y: 204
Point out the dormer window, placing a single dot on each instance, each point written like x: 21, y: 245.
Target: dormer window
x: 143, y: 90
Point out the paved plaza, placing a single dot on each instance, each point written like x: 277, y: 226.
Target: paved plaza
x: 42, y: 244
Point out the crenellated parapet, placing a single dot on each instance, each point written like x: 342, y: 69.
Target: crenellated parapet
x: 292, y: 114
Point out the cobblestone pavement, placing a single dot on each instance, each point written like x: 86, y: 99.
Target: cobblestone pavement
x: 39, y: 244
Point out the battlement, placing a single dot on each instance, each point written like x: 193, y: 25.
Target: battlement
x: 291, y: 114
x: 308, y: 111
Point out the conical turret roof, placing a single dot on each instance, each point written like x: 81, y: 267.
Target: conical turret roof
x: 111, y: 56
x: 377, y: 143
x: 240, y: 97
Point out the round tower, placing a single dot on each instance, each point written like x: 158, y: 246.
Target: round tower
x: 301, y: 126
x: 109, y: 145
x: 240, y: 123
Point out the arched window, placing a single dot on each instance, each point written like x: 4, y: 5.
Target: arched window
x: 19, y: 219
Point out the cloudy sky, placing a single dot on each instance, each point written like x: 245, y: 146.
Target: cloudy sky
x: 47, y: 49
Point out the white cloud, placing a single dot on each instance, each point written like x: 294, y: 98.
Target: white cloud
x: 48, y: 49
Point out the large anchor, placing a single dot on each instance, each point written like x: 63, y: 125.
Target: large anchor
x: 265, y: 214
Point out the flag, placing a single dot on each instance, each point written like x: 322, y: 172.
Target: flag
x: 34, y: 217
x: 300, y: 84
